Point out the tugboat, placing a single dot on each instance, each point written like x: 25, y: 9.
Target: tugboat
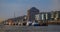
x: 35, y: 24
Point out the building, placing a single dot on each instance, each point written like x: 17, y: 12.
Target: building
x: 55, y: 15
x: 31, y: 13
x: 9, y: 22
x: 43, y: 16
x: 16, y: 20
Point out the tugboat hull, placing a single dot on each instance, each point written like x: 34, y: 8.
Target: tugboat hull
x: 36, y: 25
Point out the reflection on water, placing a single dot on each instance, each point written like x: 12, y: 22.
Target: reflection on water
x: 55, y: 28
x: 49, y: 28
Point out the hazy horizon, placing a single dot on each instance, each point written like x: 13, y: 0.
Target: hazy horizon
x: 20, y: 7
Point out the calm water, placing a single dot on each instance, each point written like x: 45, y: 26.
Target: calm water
x: 49, y: 28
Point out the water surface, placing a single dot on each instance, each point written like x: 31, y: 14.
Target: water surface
x: 49, y: 28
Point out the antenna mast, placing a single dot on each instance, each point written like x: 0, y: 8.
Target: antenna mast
x: 14, y: 12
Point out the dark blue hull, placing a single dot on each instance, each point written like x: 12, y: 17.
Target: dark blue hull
x: 36, y: 25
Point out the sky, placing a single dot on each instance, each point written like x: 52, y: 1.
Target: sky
x: 20, y: 7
